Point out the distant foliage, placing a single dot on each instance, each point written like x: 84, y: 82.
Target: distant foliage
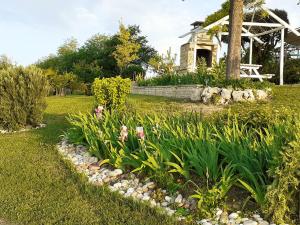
x: 292, y: 71
x: 164, y: 64
x: 111, y: 92
x: 95, y: 58
x: 22, y: 97
x: 62, y: 84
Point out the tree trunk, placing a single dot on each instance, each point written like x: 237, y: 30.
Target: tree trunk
x: 234, y: 46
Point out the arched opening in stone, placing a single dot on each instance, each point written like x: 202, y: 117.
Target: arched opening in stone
x: 206, y: 54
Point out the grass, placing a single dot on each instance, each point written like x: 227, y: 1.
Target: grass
x: 150, y: 104
x: 37, y: 187
x: 284, y: 96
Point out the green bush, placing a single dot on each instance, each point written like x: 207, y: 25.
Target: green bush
x: 22, y: 97
x: 111, y: 92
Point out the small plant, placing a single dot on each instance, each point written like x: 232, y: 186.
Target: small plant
x: 209, y: 198
x: 111, y: 92
x: 201, y: 66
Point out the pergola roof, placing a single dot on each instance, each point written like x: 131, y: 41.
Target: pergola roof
x: 255, y: 29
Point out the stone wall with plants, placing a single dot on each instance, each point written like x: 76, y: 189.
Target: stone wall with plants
x: 22, y: 97
x: 195, y: 168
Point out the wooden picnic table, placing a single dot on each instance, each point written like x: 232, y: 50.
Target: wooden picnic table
x: 251, y: 71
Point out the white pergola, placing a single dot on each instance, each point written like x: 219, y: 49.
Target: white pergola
x: 249, y: 30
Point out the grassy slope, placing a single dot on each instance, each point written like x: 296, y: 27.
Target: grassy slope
x: 285, y: 96
x: 36, y: 187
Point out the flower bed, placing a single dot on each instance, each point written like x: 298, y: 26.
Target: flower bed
x: 130, y: 185
x: 178, y: 150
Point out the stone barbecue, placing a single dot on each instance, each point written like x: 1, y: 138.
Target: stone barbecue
x: 200, y: 45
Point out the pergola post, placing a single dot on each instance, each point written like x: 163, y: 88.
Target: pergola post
x: 219, y: 47
x: 282, y: 57
x: 251, y: 52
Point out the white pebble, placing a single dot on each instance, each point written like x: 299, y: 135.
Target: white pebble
x: 178, y: 199
x: 233, y: 216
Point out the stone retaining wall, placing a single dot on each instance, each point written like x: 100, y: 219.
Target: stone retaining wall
x: 198, y: 93
x: 180, y: 92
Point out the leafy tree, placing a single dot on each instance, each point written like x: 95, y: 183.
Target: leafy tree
x: 127, y: 49
x: 5, y: 62
x: 95, y: 58
x: 60, y: 83
x: 146, y: 52
x: 69, y: 47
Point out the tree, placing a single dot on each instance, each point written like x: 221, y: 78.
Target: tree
x: 60, y: 83
x: 69, y: 47
x: 95, y: 58
x: 235, y: 37
x: 146, y: 52
x: 5, y: 62
x: 127, y: 49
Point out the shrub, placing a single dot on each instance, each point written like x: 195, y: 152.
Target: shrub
x: 282, y: 198
x: 213, y: 78
x: 111, y: 92
x: 22, y: 97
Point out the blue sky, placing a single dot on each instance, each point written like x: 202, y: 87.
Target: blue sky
x: 31, y: 29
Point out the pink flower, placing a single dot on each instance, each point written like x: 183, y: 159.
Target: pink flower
x: 98, y: 111
x: 140, y: 133
x: 123, y: 134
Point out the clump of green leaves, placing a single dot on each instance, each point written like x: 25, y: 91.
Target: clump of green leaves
x: 111, y: 92
x: 211, y: 197
x: 282, y: 198
x: 22, y: 97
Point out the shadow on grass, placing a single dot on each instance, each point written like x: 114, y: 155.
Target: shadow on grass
x: 56, y: 125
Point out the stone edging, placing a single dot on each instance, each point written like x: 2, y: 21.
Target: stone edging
x: 129, y: 185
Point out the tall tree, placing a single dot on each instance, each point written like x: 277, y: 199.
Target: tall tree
x: 127, y: 49
x: 234, y: 45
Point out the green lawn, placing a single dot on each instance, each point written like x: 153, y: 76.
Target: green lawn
x: 37, y: 187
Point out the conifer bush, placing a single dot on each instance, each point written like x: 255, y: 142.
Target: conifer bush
x: 22, y: 97
x: 111, y: 92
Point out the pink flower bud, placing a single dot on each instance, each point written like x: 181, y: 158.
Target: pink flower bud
x: 140, y: 133
x: 123, y: 134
